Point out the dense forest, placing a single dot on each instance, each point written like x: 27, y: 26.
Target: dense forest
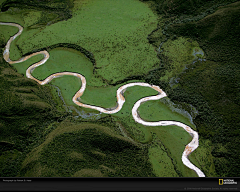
x: 212, y: 86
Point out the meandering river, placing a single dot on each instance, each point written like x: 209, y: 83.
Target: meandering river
x: 120, y: 98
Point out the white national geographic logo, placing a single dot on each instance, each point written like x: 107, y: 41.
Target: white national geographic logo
x: 227, y: 182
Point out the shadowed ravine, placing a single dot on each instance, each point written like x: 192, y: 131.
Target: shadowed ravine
x: 120, y: 99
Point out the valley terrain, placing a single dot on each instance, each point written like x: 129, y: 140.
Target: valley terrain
x: 74, y: 73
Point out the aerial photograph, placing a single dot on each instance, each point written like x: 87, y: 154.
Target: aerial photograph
x: 120, y: 88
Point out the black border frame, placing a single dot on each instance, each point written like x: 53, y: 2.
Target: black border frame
x: 117, y: 184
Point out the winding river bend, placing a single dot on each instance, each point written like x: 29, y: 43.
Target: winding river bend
x: 120, y: 98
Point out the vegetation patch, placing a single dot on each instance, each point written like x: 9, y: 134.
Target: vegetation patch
x: 204, y: 158
x: 116, y: 36
x: 161, y: 163
x: 179, y: 53
x: 192, y: 7
x: 88, y: 150
x: 173, y: 140
x: 161, y: 110
x: 216, y: 94
x: 26, y: 108
x: 217, y: 34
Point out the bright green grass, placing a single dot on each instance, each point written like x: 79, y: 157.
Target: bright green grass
x: 6, y: 32
x: 203, y: 157
x: 116, y: 34
x: 68, y: 90
x: 157, y: 111
x: 106, y: 97
x: 175, y: 139
x: 61, y: 60
x: 161, y: 163
x: 102, y: 96
x: 22, y: 17
x: 13, y: 16
x: 122, y: 42
x: 132, y: 95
